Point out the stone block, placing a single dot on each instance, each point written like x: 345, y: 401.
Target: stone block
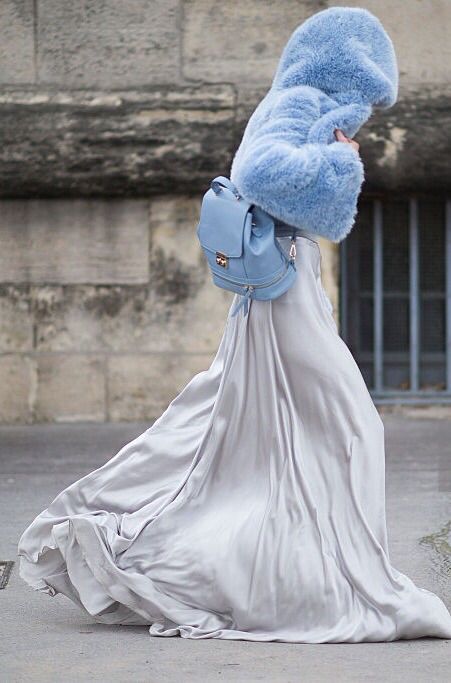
x: 16, y: 322
x: 71, y: 241
x: 140, y: 387
x: 127, y: 143
x: 70, y: 388
x: 17, y: 385
x: 239, y: 43
x: 113, y: 44
x: 181, y: 310
x: 420, y: 32
x: 17, y: 42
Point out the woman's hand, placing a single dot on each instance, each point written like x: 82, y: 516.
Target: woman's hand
x: 341, y: 137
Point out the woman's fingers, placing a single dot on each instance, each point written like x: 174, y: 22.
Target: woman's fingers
x: 341, y: 137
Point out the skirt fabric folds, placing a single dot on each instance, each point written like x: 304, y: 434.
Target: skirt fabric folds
x: 253, y: 508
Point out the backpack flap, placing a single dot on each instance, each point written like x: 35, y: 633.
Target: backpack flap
x: 222, y: 223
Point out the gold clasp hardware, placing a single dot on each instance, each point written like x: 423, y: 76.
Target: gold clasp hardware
x: 293, y: 250
x: 222, y: 260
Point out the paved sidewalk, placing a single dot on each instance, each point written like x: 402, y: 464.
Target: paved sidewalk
x: 50, y: 639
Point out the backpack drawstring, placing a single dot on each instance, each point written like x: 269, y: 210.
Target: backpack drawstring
x: 243, y: 302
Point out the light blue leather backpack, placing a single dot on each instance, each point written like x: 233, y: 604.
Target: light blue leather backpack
x: 241, y: 248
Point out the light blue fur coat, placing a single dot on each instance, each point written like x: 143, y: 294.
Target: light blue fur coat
x: 335, y: 68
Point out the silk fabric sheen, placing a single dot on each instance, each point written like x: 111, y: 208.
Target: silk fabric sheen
x: 253, y: 508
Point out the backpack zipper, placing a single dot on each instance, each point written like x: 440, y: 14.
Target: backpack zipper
x: 244, y: 302
x: 248, y: 287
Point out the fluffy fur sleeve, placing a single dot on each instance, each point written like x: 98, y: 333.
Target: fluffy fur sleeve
x: 312, y: 185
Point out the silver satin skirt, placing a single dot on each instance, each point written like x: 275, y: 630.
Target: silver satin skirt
x: 253, y: 508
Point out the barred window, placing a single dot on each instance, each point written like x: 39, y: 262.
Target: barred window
x: 395, y: 300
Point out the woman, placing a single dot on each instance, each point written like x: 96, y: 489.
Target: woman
x: 254, y: 507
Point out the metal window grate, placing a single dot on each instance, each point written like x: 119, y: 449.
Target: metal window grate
x: 395, y: 298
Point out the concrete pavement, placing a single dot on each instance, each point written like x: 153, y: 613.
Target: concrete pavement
x: 50, y: 640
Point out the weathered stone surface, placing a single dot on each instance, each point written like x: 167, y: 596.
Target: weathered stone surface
x: 122, y: 318
x: 408, y: 148
x: 17, y: 384
x: 117, y: 144
x: 67, y: 241
x: 223, y: 43
x: 140, y: 387
x: 420, y: 32
x: 154, y: 144
x: 180, y: 310
x: 16, y: 42
x: 102, y: 43
x: 16, y: 322
x: 70, y: 388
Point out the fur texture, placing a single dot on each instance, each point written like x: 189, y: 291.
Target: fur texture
x: 336, y: 67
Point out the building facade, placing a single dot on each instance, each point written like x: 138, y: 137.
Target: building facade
x: 114, y: 117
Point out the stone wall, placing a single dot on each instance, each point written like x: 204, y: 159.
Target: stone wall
x: 107, y: 307
x: 113, y: 118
